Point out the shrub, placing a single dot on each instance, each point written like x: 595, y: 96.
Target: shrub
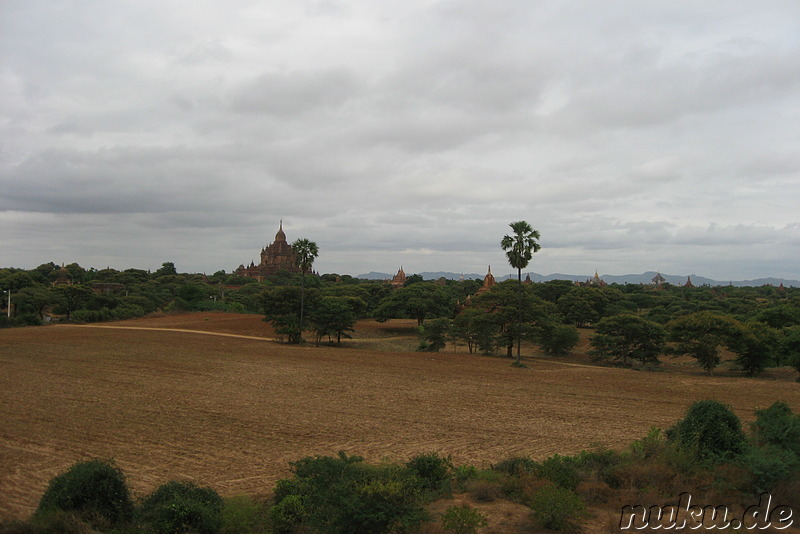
x: 515, y: 466
x: 778, y: 426
x: 342, y: 494
x: 177, y: 507
x: 242, y: 515
x: 560, y: 470
x: 712, y: 430
x: 557, y: 508
x: 284, y: 517
x: 769, y: 465
x: 463, y: 519
x: 95, y: 490
x: 432, y: 470
x: 463, y: 474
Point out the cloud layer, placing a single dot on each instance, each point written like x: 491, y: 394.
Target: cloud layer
x: 635, y: 136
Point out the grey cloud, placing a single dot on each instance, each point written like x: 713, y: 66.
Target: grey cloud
x: 292, y: 93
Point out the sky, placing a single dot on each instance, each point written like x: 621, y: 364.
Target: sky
x: 634, y: 136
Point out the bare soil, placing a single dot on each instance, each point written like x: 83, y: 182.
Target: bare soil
x: 231, y: 412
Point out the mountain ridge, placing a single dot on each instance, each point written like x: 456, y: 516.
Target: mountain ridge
x: 643, y: 278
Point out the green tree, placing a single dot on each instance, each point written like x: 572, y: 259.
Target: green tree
x: 306, y: 252
x: 73, y: 297
x: 33, y: 300
x: 477, y: 328
x: 628, y: 337
x: 335, y: 316
x: 583, y: 305
x: 556, y: 339
x: 519, y: 250
x: 281, y: 308
x: 167, y: 269
x: 701, y: 334
x: 434, y: 333
x: 418, y: 301
x: 755, y: 345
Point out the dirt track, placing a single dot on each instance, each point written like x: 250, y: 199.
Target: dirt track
x: 232, y: 412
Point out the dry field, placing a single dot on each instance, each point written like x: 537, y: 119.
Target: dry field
x: 231, y: 412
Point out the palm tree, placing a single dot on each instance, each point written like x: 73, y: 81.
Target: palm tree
x: 519, y: 250
x: 306, y: 252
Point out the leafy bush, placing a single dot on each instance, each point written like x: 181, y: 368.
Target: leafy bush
x: 95, y: 490
x: 778, y: 426
x: 177, y: 507
x: 560, y: 470
x: 432, y: 470
x: 343, y: 494
x: 284, y: 517
x: 242, y: 515
x: 557, y: 508
x: 515, y: 466
x: 711, y: 430
x: 769, y: 465
x: 463, y: 519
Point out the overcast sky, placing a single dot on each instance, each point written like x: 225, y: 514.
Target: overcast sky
x: 635, y: 136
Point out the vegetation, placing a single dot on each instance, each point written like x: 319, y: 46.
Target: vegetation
x: 706, y: 453
x: 519, y: 250
x: 95, y: 491
x: 635, y: 325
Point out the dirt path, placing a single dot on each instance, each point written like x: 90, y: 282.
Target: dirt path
x: 203, y: 332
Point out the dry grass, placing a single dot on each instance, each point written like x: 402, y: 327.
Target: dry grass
x: 232, y: 412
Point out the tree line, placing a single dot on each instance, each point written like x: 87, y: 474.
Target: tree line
x: 631, y: 324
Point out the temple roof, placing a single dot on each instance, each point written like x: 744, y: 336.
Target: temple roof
x: 280, y: 236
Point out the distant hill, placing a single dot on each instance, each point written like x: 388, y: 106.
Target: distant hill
x: 644, y: 278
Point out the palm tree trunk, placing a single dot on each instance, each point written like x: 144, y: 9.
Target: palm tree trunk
x: 302, y: 303
x: 519, y: 312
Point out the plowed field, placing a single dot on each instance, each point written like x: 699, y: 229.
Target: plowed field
x: 232, y: 412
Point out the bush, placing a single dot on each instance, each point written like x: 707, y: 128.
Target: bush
x: 95, y: 490
x: 560, y: 470
x: 242, y: 515
x: 177, y: 507
x: 432, y: 470
x: 778, y: 426
x: 711, y: 430
x: 557, y: 508
x: 769, y: 465
x: 343, y: 494
x: 463, y: 519
x: 515, y: 466
x: 284, y: 517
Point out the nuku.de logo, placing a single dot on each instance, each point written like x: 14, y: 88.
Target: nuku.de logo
x: 693, y: 516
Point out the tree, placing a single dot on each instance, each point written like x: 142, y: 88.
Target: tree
x: 755, y: 346
x: 477, y: 328
x: 306, y: 252
x: 417, y: 301
x: 701, y: 334
x: 281, y: 306
x: 519, y: 250
x: 556, y: 339
x: 628, y: 337
x: 335, y: 316
x: 583, y: 305
x: 167, y: 269
x: 433, y: 334
x: 74, y: 297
